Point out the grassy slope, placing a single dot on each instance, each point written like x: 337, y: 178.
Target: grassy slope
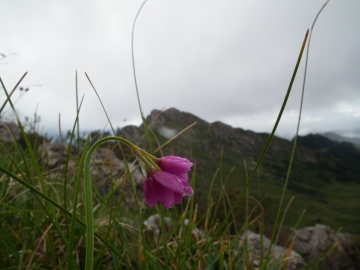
x: 327, y: 188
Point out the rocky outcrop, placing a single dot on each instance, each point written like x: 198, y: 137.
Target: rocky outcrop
x: 107, y: 170
x: 131, y: 133
x: 257, y: 244
x: 54, y: 154
x: 318, y: 247
x: 9, y: 132
x: 331, y: 249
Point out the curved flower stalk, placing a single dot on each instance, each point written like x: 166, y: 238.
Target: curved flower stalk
x: 166, y: 182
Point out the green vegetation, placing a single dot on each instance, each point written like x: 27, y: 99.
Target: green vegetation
x: 324, y: 178
x: 54, y: 217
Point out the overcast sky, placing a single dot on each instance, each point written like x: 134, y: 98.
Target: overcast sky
x: 223, y: 60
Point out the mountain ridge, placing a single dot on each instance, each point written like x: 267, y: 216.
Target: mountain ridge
x: 317, y: 174
x: 333, y: 136
x: 324, y: 177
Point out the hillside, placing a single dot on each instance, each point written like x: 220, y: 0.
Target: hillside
x: 324, y: 178
x: 339, y: 138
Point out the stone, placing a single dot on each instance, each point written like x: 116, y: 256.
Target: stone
x: 152, y: 227
x: 54, y: 154
x: 293, y: 260
x: 318, y: 241
x: 9, y: 132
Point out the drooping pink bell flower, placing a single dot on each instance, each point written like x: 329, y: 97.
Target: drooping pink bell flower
x: 168, y: 183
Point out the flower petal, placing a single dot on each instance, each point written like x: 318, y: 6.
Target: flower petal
x: 149, y: 192
x: 177, y: 198
x: 183, y: 177
x: 164, y: 194
x: 169, y: 180
x: 187, y: 189
x: 174, y: 164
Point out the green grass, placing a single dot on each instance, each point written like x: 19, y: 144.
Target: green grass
x: 334, y: 203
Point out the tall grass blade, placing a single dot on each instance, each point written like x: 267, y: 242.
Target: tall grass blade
x: 147, y: 134
x: 9, y: 95
x: 296, y: 134
x: 77, y: 187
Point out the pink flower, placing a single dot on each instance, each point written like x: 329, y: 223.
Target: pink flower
x: 169, y: 184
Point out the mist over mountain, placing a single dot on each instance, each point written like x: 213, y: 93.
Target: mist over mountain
x: 348, y: 136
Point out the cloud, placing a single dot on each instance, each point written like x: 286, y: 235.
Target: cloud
x: 220, y: 60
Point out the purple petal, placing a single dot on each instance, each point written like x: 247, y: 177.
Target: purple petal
x: 174, y: 164
x: 187, y: 189
x: 183, y: 177
x: 165, y: 195
x: 169, y: 180
x: 149, y: 192
x: 177, y: 198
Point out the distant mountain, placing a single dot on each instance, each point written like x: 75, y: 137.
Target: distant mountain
x: 339, y: 138
x: 325, y: 176
x: 353, y: 133
x: 342, y: 159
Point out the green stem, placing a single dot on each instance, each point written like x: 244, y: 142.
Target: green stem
x: 149, y: 159
x: 295, y: 138
x: 88, y: 198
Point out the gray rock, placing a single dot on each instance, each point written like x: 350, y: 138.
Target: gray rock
x: 153, y: 224
x: 334, y: 248
x: 106, y: 167
x: 152, y: 227
x: 54, y: 154
x: 196, y: 233
x: 130, y: 133
x: 107, y: 170
x: 293, y: 259
x: 9, y: 132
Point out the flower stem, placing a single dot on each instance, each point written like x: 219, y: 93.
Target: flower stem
x: 147, y: 159
x: 89, y: 259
